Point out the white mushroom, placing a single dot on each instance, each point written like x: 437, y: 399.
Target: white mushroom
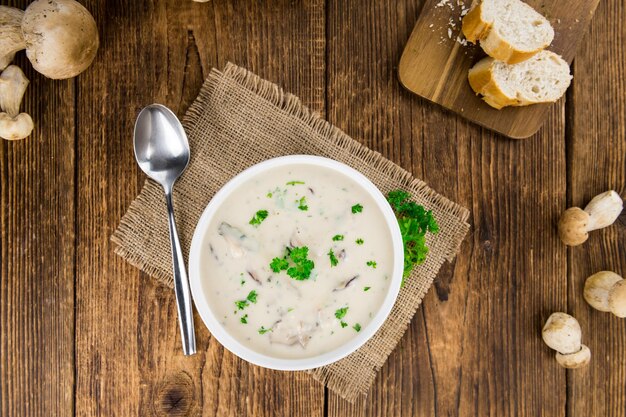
x: 13, y: 124
x: 574, y: 360
x: 606, y: 291
x: 602, y: 211
x: 11, y: 39
x: 562, y: 333
x: 61, y: 37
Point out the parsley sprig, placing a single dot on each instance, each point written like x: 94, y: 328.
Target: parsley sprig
x: 414, y: 221
x: 302, y: 205
x: 258, y: 217
x: 295, y: 262
x: 251, y: 298
x: 333, y: 259
x: 341, y: 313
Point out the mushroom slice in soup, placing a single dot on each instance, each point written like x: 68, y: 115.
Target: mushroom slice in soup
x: 238, y: 242
x: 345, y: 284
x: 290, y: 334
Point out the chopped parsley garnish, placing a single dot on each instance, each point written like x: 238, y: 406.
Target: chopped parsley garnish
x: 341, y: 313
x: 337, y: 238
x: 295, y: 262
x: 290, y: 309
x: 258, y: 218
x: 263, y: 330
x: 333, y: 259
x: 359, y: 241
x: 366, y: 288
x: 295, y: 182
x: 372, y: 264
x: 343, y: 324
x: 252, y: 296
x: 357, y: 208
x: 357, y: 327
x: 414, y: 221
x: 279, y: 264
x: 269, y: 195
x: 244, y: 319
x: 302, y: 204
x: 243, y: 281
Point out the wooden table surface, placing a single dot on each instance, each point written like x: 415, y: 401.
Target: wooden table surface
x: 84, y: 333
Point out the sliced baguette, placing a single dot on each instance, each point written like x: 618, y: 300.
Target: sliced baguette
x: 508, y: 30
x: 544, y: 78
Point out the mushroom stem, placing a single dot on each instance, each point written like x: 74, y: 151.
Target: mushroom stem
x: 597, y: 289
x: 13, y: 84
x: 13, y: 124
x: 603, y: 210
x: 11, y: 39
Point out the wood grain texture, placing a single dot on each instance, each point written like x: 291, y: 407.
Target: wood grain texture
x: 435, y: 66
x: 37, y: 285
x: 83, y: 333
x: 597, y: 162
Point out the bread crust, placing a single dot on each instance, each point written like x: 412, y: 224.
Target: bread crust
x: 475, y: 29
x: 483, y: 83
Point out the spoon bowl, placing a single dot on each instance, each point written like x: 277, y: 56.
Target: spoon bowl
x: 162, y: 152
x: 161, y: 146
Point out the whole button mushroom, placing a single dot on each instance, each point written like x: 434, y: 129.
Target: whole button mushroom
x: 602, y: 211
x: 61, y: 37
x: 562, y: 333
x: 606, y: 291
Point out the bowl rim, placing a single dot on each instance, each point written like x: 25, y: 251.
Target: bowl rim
x: 299, y: 364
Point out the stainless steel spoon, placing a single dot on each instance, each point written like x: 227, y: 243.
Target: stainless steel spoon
x: 162, y: 152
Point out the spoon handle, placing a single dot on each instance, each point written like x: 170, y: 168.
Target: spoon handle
x: 181, y: 285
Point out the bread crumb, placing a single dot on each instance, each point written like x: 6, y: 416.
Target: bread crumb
x: 458, y: 11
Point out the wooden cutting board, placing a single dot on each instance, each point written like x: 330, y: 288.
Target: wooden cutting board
x: 435, y: 62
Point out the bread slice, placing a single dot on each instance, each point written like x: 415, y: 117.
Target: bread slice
x: 508, y: 30
x: 544, y: 78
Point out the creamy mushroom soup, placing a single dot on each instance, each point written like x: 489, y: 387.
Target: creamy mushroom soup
x: 296, y: 261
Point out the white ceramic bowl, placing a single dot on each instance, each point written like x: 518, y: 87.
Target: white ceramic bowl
x: 201, y: 299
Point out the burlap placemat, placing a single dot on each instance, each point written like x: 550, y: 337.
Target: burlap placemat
x: 239, y: 120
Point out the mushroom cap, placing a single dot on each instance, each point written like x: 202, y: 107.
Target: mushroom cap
x: 562, y: 333
x: 11, y: 39
x: 15, y: 128
x: 61, y: 37
x: 603, y: 210
x: 597, y: 288
x: 573, y: 226
x: 617, y: 299
x: 575, y: 360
